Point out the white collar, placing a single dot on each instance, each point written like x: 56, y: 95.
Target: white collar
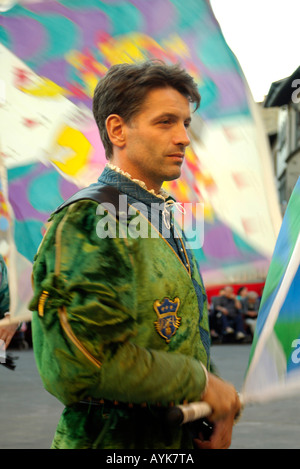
x: 161, y: 193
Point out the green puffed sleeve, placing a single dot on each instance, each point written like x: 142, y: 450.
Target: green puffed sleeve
x: 85, y: 320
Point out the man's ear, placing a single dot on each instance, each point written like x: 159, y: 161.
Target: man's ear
x: 115, y: 129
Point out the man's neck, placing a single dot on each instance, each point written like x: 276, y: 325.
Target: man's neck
x: 159, y: 193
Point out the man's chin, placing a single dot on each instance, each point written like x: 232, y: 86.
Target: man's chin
x: 172, y: 176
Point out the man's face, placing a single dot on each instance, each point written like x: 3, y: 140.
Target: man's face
x: 228, y: 292
x: 157, y: 136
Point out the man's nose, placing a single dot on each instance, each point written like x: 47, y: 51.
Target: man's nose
x: 181, y: 136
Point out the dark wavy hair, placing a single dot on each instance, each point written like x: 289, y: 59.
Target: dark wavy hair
x: 124, y: 88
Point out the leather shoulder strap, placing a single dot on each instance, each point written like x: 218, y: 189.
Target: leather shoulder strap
x: 94, y: 192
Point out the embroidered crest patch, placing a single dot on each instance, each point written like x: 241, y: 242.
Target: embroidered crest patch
x: 168, y: 321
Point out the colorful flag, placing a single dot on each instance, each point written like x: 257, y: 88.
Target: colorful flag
x: 54, y: 52
x: 274, y: 364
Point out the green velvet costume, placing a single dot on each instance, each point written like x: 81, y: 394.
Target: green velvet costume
x: 120, y: 323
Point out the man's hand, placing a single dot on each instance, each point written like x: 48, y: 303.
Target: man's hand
x: 251, y: 313
x: 222, y: 398
x: 222, y: 310
x: 7, y: 332
x: 224, y: 401
x: 221, y: 436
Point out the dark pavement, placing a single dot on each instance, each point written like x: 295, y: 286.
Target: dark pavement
x: 29, y: 415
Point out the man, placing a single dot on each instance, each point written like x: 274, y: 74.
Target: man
x: 120, y: 327
x: 230, y: 308
x: 7, y: 331
x: 250, y: 310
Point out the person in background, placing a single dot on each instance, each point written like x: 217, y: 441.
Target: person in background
x: 250, y: 310
x: 228, y: 309
x: 7, y: 331
x: 214, y: 317
x: 242, y: 293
